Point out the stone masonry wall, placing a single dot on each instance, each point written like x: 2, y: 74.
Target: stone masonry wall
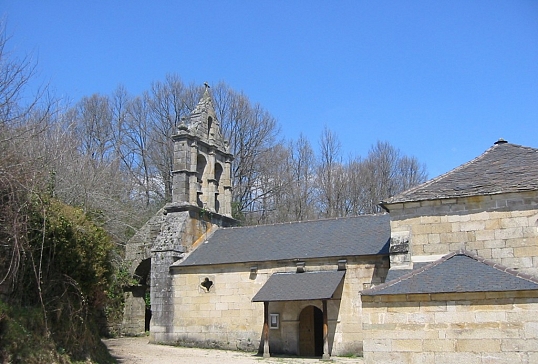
x: 502, y: 228
x: 179, y: 231
x: 451, y: 328
x: 225, y: 316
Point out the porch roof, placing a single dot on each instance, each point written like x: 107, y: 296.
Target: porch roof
x: 300, y: 286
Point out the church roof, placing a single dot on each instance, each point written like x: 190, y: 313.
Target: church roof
x: 341, y: 237
x: 299, y: 286
x: 503, y: 168
x: 457, y: 272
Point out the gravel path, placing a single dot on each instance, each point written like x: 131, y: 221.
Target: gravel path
x: 139, y: 351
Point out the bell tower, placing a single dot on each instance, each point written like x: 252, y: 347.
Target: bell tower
x: 201, y: 203
x: 202, y: 161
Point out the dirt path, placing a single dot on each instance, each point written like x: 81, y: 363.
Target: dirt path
x: 140, y: 351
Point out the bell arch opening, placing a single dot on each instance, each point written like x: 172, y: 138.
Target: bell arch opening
x: 201, y: 164
x: 219, y: 195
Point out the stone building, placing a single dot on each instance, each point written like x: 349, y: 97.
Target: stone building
x: 462, y: 285
x: 201, y: 201
x: 448, y: 274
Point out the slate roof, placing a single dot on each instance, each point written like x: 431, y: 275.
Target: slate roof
x: 351, y: 236
x: 461, y: 271
x: 503, y: 168
x: 299, y: 286
x: 397, y: 273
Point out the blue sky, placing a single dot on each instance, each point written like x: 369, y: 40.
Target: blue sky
x: 440, y: 80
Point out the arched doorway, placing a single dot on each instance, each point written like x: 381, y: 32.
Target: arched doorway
x: 137, y: 310
x: 142, y: 273
x: 311, y: 332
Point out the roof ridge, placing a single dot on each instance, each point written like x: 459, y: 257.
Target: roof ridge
x: 442, y: 176
x: 498, y: 266
x: 306, y: 221
x: 428, y: 193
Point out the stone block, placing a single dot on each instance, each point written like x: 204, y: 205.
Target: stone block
x: 531, y: 330
x: 484, y: 253
x: 453, y: 317
x: 417, y: 297
x: 434, y: 249
x: 502, y: 253
x: 481, y: 216
x: 532, y: 357
x: 458, y: 218
x: 433, y: 306
x: 475, y: 245
x: 521, y: 242
x: 421, y: 229
x: 521, y: 262
x: 492, y: 224
x: 512, y: 222
x: 478, y: 345
x: 388, y: 358
x: 530, y: 232
x: 519, y: 345
x: 378, y: 345
x: 439, y: 345
x: 494, y: 244
x: 407, y: 345
x: 420, y: 318
x: 485, y: 235
x: 455, y: 237
x: 493, y: 316
x: 473, y: 225
x: 451, y: 358
x: 509, y: 233
x: 503, y: 358
x: 442, y: 228
x: 420, y: 239
x: 430, y: 219
x: 434, y: 238
x: 526, y: 251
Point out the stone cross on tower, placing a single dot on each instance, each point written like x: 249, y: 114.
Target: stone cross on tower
x: 202, y: 161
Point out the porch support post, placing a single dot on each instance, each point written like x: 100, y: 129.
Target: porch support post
x: 326, y: 355
x: 266, y: 330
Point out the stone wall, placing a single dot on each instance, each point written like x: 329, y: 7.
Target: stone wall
x: 502, y: 228
x: 226, y: 317
x: 451, y: 328
x: 173, y: 231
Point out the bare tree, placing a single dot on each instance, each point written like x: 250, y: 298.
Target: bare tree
x: 169, y: 102
x: 329, y: 173
x: 301, y: 187
x: 252, y: 132
x: 383, y: 173
x: 22, y: 118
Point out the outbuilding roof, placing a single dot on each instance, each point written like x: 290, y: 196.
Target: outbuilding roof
x: 503, y: 168
x: 340, y: 237
x: 461, y: 271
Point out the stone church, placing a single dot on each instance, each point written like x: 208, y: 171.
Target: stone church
x: 447, y: 274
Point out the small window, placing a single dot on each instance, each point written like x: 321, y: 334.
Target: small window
x: 206, y: 284
x: 274, y: 321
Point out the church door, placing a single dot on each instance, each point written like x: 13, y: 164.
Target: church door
x: 311, y: 332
